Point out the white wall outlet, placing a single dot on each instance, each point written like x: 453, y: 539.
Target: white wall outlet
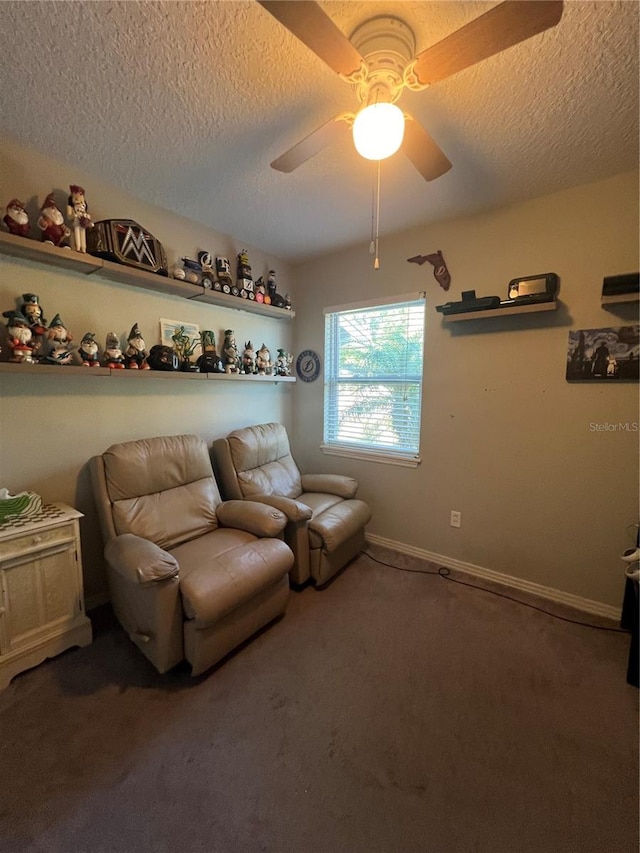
x: 456, y: 518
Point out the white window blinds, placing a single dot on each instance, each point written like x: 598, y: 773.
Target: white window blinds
x: 373, y: 378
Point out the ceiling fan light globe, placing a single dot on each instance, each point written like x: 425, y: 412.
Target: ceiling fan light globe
x: 378, y: 131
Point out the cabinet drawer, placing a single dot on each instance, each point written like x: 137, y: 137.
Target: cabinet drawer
x: 37, y: 540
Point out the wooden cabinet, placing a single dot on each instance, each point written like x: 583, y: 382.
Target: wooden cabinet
x: 42, y: 605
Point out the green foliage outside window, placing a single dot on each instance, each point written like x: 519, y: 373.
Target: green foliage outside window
x: 374, y: 377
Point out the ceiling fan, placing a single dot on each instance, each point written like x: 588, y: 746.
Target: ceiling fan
x: 379, y: 61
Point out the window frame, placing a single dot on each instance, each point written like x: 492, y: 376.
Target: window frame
x: 368, y: 452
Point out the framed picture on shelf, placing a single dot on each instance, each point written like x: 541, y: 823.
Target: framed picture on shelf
x: 184, y: 337
x: 168, y: 328
x: 603, y: 355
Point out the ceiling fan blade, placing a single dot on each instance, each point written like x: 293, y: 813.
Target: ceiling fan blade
x: 423, y: 152
x: 310, y: 145
x: 501, y: 27
x: 306, y: 20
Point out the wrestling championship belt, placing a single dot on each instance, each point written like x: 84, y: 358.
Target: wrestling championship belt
x: 126, y: 242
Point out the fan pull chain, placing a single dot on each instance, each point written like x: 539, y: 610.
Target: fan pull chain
x: 372, y: 244
x: 376, y: 261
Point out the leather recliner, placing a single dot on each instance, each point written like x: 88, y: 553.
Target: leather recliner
x: 190, y: 576
x: 325, y: 527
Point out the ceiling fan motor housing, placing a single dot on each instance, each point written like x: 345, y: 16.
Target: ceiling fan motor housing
x: 387, y: 45
x: 379, y: 61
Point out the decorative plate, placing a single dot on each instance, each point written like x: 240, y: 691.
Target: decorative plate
x: 308, y: 365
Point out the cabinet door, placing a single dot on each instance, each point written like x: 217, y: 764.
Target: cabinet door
x: 41, y: 595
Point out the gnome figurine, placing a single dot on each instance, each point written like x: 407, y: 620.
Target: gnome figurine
x: 230, y: 352
x: 283, y: 363
x: 51, y: 223
x: 263, y: 361
x: 88, y: 350
x: 135, y: 355
x: 113, y: 356
x: 248, y: 359
x: 59, y: 340
x: 19, y: 337
x: 16, y: 219
x: 78, y: 213
x: 33, y: 312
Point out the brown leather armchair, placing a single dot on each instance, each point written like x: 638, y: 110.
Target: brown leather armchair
x: 190, y: 576
x: 325, y: 524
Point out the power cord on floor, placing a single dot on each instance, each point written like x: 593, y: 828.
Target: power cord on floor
x: 445, y: 574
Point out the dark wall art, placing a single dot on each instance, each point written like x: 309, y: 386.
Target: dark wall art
x: 603, y: 355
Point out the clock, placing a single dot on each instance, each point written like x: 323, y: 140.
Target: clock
x: 308, y: 365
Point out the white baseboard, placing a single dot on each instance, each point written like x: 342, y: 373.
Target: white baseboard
x: 586, y: 605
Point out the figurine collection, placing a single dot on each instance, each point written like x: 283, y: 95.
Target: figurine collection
x: 215, y: 274
x: 32, y: 339
x: 124, y: 241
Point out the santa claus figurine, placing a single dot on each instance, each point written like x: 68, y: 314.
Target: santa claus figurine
x: 78, y: 213
x: 20, y: 336
x: 16, y: 218
x: 51, y: 223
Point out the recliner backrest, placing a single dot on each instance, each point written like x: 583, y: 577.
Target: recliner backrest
x: 263, y: 462
x: 162, y: 489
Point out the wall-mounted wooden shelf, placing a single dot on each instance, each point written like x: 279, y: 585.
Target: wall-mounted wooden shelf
x: 619, y: 298
x: 68, y: 259
x: 492, y: 313
x: 55, y: 371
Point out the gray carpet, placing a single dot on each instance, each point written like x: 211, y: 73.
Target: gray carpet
x: 388, y: 713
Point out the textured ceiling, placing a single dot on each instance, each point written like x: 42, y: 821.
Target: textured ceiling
x: 185, y: 104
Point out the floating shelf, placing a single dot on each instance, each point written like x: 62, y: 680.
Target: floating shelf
x: 500, y: 312
x: 68, y: 259
x: 619, y: 298
x: 58, y: 370
x: 45, y: 253
x: 54, y: 369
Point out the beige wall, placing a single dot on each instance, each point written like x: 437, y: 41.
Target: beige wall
x: 50, y: 426
x: 505, y: 439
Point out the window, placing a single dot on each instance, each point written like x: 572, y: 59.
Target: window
x: 373, y: 380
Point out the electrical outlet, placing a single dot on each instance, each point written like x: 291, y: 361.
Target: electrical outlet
x: 456, y: 518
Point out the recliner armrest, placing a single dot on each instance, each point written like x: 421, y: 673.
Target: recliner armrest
x: 294, y: 510
x: 139, y: 560
x: 330, y: 484
x: 252, y: 516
